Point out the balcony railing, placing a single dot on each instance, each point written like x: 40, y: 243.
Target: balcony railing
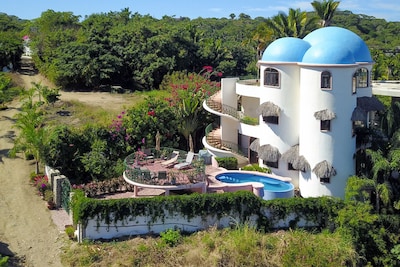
x: 226, y: 109
x: 213, y: 139
x: 222, y: 108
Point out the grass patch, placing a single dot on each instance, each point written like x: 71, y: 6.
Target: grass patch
x: 77, y: 114
x: 242, y: 246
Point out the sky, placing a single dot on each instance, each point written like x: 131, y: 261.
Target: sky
x: 31, y: 9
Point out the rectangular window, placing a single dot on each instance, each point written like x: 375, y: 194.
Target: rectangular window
x: 325, y: 125
x: 271, y: 119
x: 271, y: 77
x: 326, y: 80
x: 361, y: 76
x: 272, y: 164
x: 325, y: 180
x: 290, y: 167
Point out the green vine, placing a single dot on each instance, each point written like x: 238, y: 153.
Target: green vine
x: 319, y: 211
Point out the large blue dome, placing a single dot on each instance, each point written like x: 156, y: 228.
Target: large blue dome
x: 287, y: 49
x: 322, y: 54
x: 328, y: 45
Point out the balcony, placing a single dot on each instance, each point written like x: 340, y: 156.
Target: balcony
x: 214, y: 105
x: 213, y: 140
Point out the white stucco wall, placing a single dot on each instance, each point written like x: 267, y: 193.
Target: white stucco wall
x: 336, y: 146
x: 284, y: 135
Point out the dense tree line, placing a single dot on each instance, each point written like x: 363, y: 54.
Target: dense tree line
x: 136, y: 51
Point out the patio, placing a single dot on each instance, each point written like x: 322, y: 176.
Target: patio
x: 153, y: 172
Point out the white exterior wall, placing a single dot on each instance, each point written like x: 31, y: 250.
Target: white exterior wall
x: 284, y: 135
x: 229, y: 125
x: 249, y: 106
x: 336, y: 146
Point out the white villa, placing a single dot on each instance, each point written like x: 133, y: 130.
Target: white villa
x: 311, y: 96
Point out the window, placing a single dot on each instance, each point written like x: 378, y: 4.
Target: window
x: 290, y: 167
x: 325, y: 125
x: 271, y: 77
x: 325, y: 180
x: 326, y: 80
x: 271, y: 119
x: 272, y: 164
x: 361, y: 78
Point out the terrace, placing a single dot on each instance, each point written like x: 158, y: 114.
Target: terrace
x: 156, y: 169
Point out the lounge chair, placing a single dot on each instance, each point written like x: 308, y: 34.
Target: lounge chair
x: 162, y: 175
x: 146, y: 175
x: 149, y: 155
x: 187, y: 163
x: 172, y: 160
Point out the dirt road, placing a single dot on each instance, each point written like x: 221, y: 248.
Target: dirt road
x: 26, y: 228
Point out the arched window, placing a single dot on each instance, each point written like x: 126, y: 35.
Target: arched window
x: 360, y: 78
x: 271, y: 77
x: 326, y: 80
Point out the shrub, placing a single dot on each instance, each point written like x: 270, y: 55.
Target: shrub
x: 171, y: 237
x: 3, y: 261
x: 229, y: 163
x: 256, y: 167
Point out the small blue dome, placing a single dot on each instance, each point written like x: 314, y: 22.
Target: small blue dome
x: 328, y: 53
x: 342, y: 37
x: 287, y: 49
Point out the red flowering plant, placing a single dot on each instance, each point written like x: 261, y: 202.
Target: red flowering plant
x: 120, y: 137
x: 197, y: 86
x: 188, y: 91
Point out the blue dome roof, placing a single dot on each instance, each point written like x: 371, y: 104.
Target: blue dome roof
x: 287, y: 49
x: 328, y: 45
x: 322, y: 54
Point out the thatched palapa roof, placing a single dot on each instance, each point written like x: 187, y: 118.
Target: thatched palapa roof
x: 255, y: 145
x: 291, y: 154
x: 269, y: 153
x: 359, y: 114
x: 298, y: 162
x: 369, y: 103
x: 324, y: 115
x: 268, y: 109
x: 324, y: 169
x: 301, y: 164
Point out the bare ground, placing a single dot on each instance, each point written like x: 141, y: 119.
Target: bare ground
x: 30, y: 233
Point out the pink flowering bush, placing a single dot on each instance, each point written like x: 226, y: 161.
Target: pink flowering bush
x: 41, y: 182
x: 184, y: 85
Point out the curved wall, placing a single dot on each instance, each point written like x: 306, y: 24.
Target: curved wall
x: 284, y: 135
x: 336, y: 146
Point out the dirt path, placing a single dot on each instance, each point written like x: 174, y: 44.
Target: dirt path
x: 26, y: 228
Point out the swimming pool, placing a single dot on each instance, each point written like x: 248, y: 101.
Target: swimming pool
x: 273, y: 188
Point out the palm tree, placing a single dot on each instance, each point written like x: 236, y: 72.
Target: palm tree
x: 295, y: 24
x: 261, y: 36
x: 32, y: 136
x: 188, y: 112
x: 325, y: 10
x: 382, y: 167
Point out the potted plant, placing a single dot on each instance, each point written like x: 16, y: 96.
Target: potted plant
x: 49, y: 198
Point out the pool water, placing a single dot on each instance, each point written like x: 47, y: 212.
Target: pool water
x: 273, y: 188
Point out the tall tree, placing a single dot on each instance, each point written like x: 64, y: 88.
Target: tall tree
x: 325, y: 10
x: 32, y: 137
x: 296, y: 24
